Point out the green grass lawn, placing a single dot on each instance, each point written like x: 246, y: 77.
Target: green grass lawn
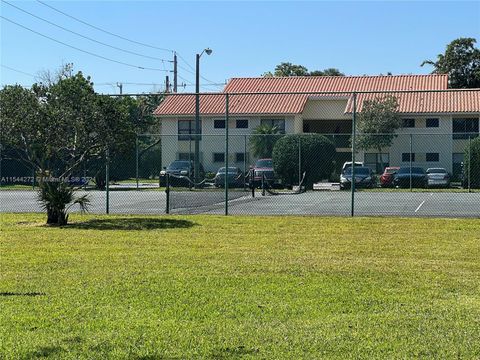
x: 195, y: 287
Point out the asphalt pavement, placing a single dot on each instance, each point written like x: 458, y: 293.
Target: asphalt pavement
x: 336, y: 203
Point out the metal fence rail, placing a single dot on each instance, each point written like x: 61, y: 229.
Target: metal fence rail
x: 274, y: 164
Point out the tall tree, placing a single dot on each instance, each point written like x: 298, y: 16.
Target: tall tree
x: 326, y: 72
x: 286, y: 69
x: 461, y: 61
x: 263, y: 139
x: 376, y: 125
x: 54, y: 128
x: 289, y: 69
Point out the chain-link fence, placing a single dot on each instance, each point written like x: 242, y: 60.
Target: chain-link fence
x: 288, y: 154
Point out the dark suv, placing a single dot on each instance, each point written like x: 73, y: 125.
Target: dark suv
x: 182, y: 173
x: 264, y: 168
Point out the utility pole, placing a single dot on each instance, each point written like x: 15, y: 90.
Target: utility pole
x: 174, y: 71
x: 120, y: 86
x: 167, y: 84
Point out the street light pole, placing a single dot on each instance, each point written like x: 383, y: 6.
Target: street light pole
x: 196, y: 164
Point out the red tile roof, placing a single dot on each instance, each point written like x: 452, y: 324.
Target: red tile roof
x: 454, y: 101
x: 288, y: 102
x: 337, y: 83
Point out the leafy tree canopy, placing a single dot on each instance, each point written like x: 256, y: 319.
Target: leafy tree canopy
x: 55, y: 126
x: 316, y: 153
x: 472, y: 164
x: 263, y: 139
x: 285, y: 69
x: 377, y: 123
x: 461, y: 61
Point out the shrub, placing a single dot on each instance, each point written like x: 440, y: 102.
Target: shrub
x: 57, y: 198
x: 472, y: 163
x: 317, y: 158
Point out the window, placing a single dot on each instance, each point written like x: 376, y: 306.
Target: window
x: 430, y: 123
x: 279, y: 123
x: 433, y: 157
x: 240, y: 157
x: 463, y: 128
x: 406, y: 157
x: 242, y: 124
x: 218, y: 157
x: 408, y: 123
x: 219, y: 124
x: 187, y: 127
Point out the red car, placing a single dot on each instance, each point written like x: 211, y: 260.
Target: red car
x: 263, y: 167
x: 386, y: 179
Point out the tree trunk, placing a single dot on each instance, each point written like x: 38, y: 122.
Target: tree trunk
x: 52, y: 216
x: 381, y: 161
x: 55, y: 217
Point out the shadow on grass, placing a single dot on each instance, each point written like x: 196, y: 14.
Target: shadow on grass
x: 233, y: 353
x: 132, y: 223
x: 7, y: 293
x: 46, y: 351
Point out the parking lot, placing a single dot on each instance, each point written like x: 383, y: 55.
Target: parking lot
x: 336, y: 203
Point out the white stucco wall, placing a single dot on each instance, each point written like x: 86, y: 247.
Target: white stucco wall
x: 213, y: 140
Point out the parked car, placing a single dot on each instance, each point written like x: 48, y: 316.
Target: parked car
x: 182, y: 172
x: 438, y: 177
x: 234, y: 174
x: 386, y: 179
x: 348, y: 164
x: 264, y: 167
x: 417, y: 175
x: 364, y: 178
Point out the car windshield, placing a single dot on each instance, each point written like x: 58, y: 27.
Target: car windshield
x: 176, y: 165
x: 390, y: 170
x: 265, y: 163
x: 358, y: 171
x: 230, y: 170
x: 406, y: 170
x: 436, y: 171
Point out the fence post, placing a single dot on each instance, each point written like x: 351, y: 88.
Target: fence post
x: 252, y: 181
x: 226, y: 153
x: 33, y: 178
x: 1, y: 162
x: 469, y: 161
x: 167, y: 192
x: 107, y: 181
x: 410, y: 158
x: 354, y: 126
x: 84, y: 176
x: 299, y: 160
x: 136, y: 159
x: 263, y: 184
x: 244, y: 162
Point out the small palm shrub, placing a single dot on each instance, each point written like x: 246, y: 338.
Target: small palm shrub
x: 57, y: 198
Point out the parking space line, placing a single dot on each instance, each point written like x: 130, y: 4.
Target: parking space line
x: 419, y: 206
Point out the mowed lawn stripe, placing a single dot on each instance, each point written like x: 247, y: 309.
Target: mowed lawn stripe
x: 188, y: 287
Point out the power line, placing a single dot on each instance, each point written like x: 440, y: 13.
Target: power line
x: 83, y: 36
x: 19, y: 71
x: 129, y: 83
x: 193, y: 70
x: 81, y: 50
x: 102, y: 30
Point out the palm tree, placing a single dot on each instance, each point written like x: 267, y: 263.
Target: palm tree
x: 263, y: 139
x: 57, y: 198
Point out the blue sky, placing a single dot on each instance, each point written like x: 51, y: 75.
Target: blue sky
x: 247, y: 38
